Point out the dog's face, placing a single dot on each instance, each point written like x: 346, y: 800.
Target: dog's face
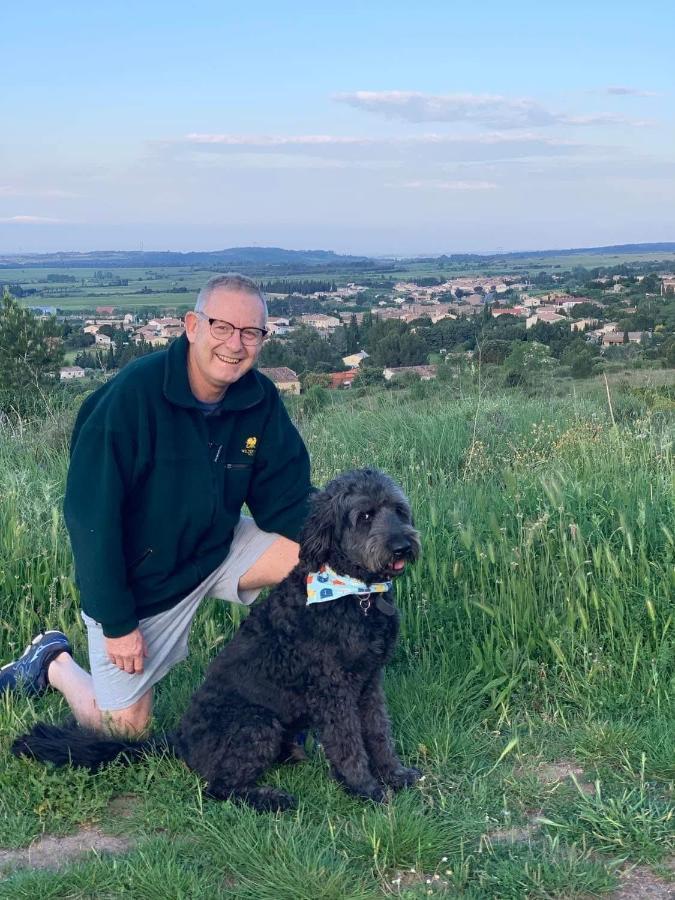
x: 360, y: 525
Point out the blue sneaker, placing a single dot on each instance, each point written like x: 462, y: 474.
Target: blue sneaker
x: 29, y: 672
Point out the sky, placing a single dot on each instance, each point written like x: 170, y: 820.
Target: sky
x: 369, y: 128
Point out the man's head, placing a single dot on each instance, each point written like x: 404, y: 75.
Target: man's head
x: 216, y: 360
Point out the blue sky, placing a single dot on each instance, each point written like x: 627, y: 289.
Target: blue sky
x: 369, y: 128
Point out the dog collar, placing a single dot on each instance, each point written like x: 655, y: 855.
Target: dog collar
x: 326, y: 585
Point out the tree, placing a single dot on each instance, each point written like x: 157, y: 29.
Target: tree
x: 494, y: 351
x: 581, y: 358
x: 30, y: 356
x: 528, y: 363
x: 668, y: 352
x: 313, y: 379
x: 352, y: 339
x: 368, y: 375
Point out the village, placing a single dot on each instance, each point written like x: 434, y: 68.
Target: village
x: 414, y: 304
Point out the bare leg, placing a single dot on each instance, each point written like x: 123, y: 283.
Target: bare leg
x: 77, y: 687
x: 273, y: 566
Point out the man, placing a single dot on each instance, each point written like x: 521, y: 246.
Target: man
x: 163, y: 457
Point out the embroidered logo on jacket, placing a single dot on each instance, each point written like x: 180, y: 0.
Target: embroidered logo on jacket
x: 250, y: 446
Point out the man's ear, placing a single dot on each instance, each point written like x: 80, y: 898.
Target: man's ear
x: 317, y: 534
x: 191, y: 325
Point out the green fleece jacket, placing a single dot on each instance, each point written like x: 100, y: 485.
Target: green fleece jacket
x: 155, y: 488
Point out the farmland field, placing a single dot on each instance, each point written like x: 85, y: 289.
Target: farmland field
x: 533, y: 684
x: 176, y: 287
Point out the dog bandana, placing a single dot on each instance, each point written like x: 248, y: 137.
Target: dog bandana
x: 326, y: 585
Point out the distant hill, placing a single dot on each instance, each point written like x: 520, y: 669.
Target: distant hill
x: 615, y: 249
x: 240, y: 258
x: 276, y: 261
x: 612, y: 250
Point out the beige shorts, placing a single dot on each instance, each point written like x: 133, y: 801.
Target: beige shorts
x: 166, y: 634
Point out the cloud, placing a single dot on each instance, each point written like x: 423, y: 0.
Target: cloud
x: 492, y: 111
x: 450, y: 185
x: 31, y: 220
x: 362, y: 151
x: 10, y: 190
x: 622, y: 91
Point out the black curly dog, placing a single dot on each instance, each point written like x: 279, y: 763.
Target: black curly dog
x: 291, y: 666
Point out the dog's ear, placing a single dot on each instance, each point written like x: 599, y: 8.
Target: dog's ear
x: 318, y: 532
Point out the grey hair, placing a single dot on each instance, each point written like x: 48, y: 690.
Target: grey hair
x: 230, y: 282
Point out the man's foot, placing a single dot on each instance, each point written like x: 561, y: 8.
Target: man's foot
x: 28, y: 673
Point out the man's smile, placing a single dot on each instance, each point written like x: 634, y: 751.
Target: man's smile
x: 232, y: 360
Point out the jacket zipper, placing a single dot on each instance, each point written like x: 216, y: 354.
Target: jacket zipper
x: 140, y: 559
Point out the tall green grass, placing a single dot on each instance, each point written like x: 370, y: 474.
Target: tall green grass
x: 538, y: 625
x: 548, y: 564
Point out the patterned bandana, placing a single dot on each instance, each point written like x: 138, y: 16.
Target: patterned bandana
x: 327, y: 585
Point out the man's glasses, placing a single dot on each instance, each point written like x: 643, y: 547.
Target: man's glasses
x: 222, y: 331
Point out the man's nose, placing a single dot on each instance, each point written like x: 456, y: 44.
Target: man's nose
x: 234, y: 340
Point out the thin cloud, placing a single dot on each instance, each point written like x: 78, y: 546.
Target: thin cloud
x: 492, y: 111
x: 623, y: 91
x: 249, y: 151
x: 31, y: 220
x: 10, y: 190
x: 450, y: 185
x: 324, y: 140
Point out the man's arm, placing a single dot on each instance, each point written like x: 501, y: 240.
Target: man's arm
x: 98, y: 479
x: 280, y: 487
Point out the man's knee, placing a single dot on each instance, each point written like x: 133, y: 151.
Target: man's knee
x: 132, y: 721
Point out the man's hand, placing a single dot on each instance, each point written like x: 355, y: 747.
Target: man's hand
x: 127, y: 652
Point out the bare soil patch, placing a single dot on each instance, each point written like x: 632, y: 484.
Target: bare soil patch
x: 550, y: 773
x: 640, y: 883
x: 54, y: 853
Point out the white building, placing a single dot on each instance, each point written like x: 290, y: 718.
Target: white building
x: 68, y: 373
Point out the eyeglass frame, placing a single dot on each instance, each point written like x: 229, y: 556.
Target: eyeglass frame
x: 262, y: 331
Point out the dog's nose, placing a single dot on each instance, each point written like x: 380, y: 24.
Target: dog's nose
x: 401, y: 548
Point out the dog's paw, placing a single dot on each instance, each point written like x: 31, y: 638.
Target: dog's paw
x: 401, y: 777
x: 378, y: 793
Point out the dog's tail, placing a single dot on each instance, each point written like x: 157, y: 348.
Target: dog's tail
x: 70, y: 744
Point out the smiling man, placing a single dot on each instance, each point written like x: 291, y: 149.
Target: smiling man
x: 163, y: 457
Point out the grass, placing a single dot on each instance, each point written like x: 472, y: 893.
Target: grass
x: 537, y: 628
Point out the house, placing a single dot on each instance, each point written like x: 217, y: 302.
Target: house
x: 150, y: 336
x: 278, y: 325
x: 355, y: 359
x: 284, y: 378
x: 667, y: 285
x: 545, y: 316
x: 103, y: 340
x: 321, y: 322
x: 583, y: 324
x: 425, y: 373
x: 508, y: 311
x: 68, y: 373
x: 342, y: 379
x: 614, y: 338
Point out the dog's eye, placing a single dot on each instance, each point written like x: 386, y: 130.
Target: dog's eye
x: 366, y: 516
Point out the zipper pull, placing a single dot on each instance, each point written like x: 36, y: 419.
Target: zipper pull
x: 218, y: 451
